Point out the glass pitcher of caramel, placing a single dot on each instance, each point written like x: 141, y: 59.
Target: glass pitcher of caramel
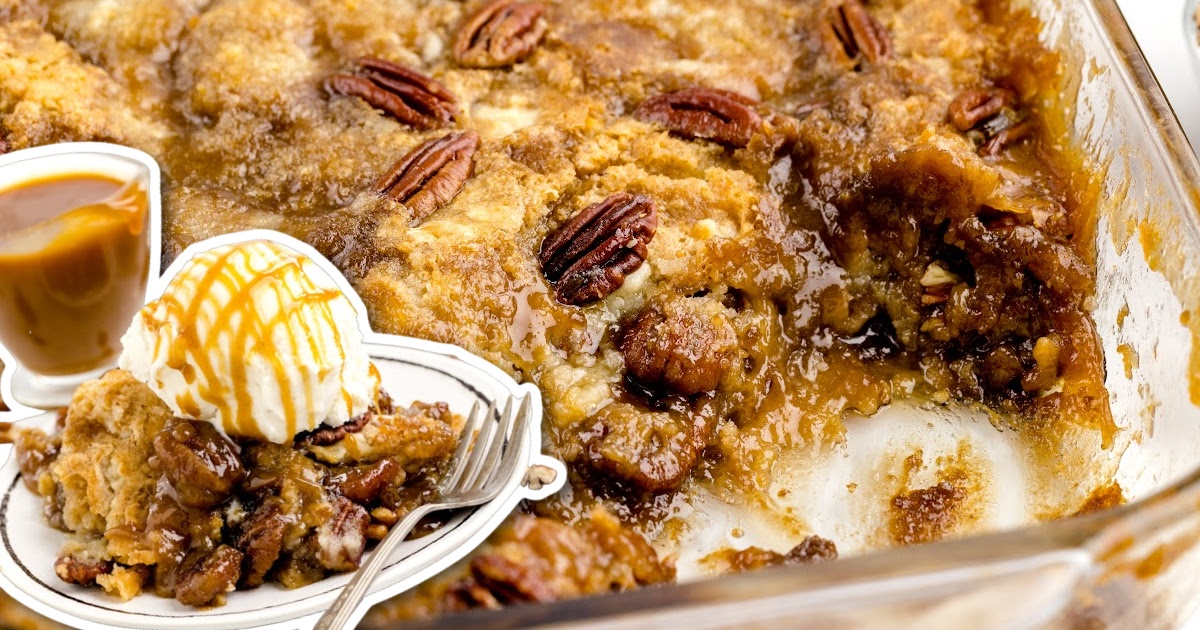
x: 76, y: 237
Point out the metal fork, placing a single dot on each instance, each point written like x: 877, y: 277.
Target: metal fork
x: 474, y: 477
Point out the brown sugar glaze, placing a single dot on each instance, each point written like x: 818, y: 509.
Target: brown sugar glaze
x: 73, y: 265
x: 861, y: 252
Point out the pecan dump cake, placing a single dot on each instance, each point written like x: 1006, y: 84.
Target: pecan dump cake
x: 246, y: 438
x: 709, y: 232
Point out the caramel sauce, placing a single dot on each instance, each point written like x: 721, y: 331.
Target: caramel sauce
x: 218, y: 371
x: 73, y: 265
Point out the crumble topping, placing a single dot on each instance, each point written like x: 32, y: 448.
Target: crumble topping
x: 842, y: 239
x: 152, y: 502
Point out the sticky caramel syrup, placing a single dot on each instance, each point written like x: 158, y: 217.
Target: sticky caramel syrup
x: 73, y: 263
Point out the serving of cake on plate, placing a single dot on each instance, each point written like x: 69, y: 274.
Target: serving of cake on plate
x: 244, y: 439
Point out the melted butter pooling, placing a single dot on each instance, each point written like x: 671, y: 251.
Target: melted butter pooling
x: 256, y: 339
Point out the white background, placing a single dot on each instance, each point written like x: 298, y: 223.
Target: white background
x: 1167, y: 37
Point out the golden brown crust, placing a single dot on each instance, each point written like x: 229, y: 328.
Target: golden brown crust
x: 103, y: 467
x: 855, y: 251
x: 51, y: 94
x: 152, y: 501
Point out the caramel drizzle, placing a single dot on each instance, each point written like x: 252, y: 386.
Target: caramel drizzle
x: 302, y: 307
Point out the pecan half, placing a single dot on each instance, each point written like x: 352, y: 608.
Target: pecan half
x: 204, y: 577
x: 973, y: 107
x: 718, y: 115
x: 432, y: 174
x: 261, y: 541
x: 364, y: 484
x: 856, y: 33
x: 35, y: 452
x: 73, y: 570
x: 202, y: 465
x: 342, y: 539
x: 589, y: 256
x: 1006, y: 137
x: 654, y: 452
x: 401, y: 92
x: 511, y: 582
x: 1051, y: 262
x: 500, y: 34
x: 990, y: 116
x: 384, y: 404
x: 679, y: 346
x: 325, y: 435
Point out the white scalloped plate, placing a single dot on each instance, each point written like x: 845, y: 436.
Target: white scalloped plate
x: 411, y: 369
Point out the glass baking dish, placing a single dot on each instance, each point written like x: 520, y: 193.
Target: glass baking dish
x: 1134, y: 566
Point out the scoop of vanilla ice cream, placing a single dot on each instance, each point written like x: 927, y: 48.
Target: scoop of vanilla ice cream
x: 258, y: 340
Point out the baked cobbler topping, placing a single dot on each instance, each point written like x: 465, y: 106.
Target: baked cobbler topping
x: 400, y: 92
x: 709, y: 232
x: 184, y: 511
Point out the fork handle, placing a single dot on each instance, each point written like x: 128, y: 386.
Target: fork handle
x: 342, y: 609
